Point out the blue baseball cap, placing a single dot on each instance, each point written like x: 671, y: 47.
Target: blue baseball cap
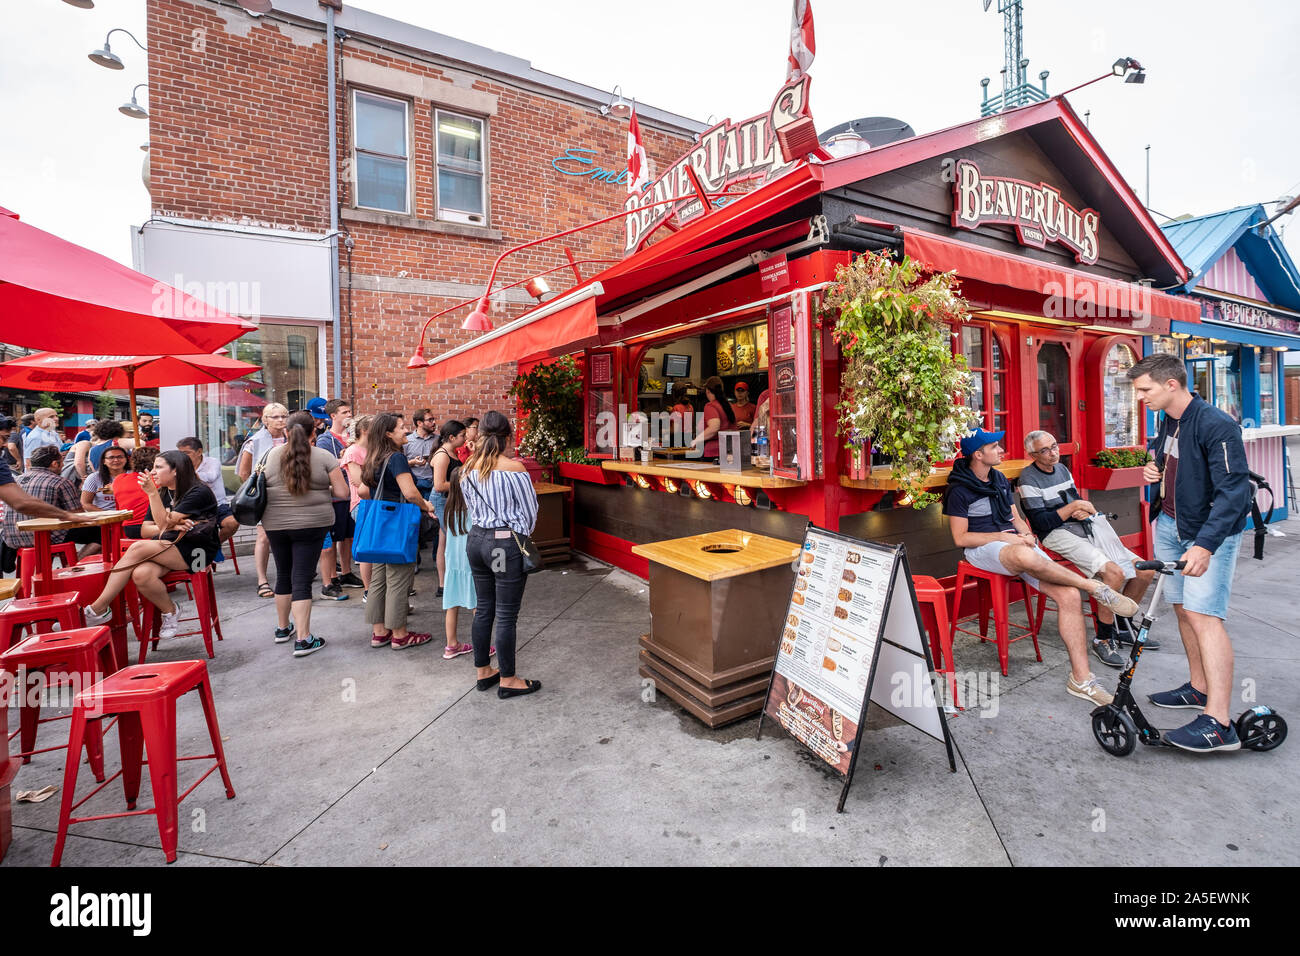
x: 317, y: 408
x: 978, y: 439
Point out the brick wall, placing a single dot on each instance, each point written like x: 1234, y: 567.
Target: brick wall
x: 238, y: 134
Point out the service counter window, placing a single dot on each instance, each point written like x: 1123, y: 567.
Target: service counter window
x: 1119, y: 401
x: 1054, y: 403
x: 1268, y: 386
x: 986, y: 359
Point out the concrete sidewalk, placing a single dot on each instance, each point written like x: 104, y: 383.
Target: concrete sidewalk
x: 373, y: 756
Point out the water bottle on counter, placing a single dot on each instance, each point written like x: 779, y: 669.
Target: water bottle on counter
x: 764, y: 448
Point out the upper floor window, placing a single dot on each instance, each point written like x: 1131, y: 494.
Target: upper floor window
x: 382, y: 152
x: 462, y: 179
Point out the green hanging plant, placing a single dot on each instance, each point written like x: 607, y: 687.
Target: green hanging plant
x: 901, y: 386
x: 549, y: 400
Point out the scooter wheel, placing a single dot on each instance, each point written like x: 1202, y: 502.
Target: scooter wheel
x: 1115, y: 731
x: 1261, y: 731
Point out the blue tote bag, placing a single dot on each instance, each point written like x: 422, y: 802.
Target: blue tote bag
x: 387, y: 531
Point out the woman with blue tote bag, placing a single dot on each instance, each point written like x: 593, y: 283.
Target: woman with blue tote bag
x: 386, y: 477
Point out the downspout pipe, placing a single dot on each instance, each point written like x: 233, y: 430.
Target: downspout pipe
x: 331, y: 95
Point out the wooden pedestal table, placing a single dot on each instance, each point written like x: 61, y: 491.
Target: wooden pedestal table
x: 551, y: 534
x: 82, y: 578
x: 717, y: 606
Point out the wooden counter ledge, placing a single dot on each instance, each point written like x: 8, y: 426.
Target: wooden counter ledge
x: 755, y: 552
x: 881, y: 478
x: 749, y: 478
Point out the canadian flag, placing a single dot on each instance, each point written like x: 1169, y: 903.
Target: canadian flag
x: 803, y: 45
x: 638, y: 166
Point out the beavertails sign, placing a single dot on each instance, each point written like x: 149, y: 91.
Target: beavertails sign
x: 1038, y: 212
x: 726, y: 154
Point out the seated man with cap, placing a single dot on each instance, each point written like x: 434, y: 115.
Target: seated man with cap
x: 984, y: 521
x: 1073, y: 529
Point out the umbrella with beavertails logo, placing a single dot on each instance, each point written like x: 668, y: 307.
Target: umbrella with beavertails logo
x: 56, y: 295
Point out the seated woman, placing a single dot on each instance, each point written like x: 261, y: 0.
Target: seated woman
x: 181, y: 535
x: 97, y: 493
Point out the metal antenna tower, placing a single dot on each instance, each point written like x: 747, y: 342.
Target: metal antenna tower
x: 1016, y: 88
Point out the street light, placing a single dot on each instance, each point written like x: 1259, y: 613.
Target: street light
x: 107, y: 58
x: 134, y: 109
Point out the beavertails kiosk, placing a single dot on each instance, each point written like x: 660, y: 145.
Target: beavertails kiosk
x: 1057, y: 258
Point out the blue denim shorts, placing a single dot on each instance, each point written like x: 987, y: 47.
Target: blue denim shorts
x: 1209, y: 593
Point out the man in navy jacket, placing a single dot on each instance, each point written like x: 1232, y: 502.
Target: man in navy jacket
x: 1200, y: 508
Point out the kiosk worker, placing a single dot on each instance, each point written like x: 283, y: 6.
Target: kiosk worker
x: 717, y: 416
x: 1199, y: 507
x: 1073, y: 529
x: 743, y: 408
x: 984, y: 520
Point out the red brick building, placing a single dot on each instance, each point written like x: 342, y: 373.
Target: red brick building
x: 447, y: 155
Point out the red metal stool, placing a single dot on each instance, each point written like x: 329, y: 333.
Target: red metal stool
x: 995, y: 593
x: 144, y: 700
x: 233, y: 559
x: 202, y: 590
x: 933, y: 601
x: 65, y: 552
x: 84, y: 656
x: 22, y: 613
x: 1043, y: 598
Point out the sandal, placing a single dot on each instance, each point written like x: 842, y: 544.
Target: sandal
x: 264, y: 590
x: 412, y: 639
x: 379, y: 640
x: 455, y: 650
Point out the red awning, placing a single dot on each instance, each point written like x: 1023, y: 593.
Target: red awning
x: 526, y: 337
x: 1053, y: 292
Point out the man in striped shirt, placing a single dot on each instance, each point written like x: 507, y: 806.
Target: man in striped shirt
x: 1071, y: 527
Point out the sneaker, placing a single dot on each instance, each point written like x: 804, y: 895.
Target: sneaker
x: 439, y: 594
x: 309, y: 646
x: 1088, y: 690
x: 1186, y: 697
x: 1107, y: 654
x: 379, y: 640
x: 1203, y: 735
x: 94, y: 619
x: 221, y: 556
x: 1121, y: 605
x: 455, y: 650
x: 1124, y: 636
x: 349, y: 580
x: 170, y: 622
x: 284, y: 634
x: 333, y: 593
x: 411, y: 593
x: 412, y: 639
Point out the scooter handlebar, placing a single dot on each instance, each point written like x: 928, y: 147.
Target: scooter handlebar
x: 1166, y: 566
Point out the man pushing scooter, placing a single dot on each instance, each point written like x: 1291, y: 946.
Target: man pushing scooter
x: 1199, y: 507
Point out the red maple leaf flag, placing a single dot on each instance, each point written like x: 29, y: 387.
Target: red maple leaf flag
x: 638, y: 166
x: 803, y: 45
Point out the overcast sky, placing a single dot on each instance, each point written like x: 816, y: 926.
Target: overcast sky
x: 1219, y: 107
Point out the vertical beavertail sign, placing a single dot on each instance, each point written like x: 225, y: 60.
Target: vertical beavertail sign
x: 852, y: 634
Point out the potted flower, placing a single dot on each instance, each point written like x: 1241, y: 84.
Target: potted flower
x: 902, y: 387
x: 549, y: 400
x: 1116, y: 468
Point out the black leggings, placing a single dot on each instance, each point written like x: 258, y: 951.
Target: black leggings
x: 297, y: 553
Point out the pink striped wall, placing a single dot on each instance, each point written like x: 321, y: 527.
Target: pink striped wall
x: 1229, y: 274
x: 1264, y: 455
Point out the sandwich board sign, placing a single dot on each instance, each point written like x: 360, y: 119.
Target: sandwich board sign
x: 852, y: 636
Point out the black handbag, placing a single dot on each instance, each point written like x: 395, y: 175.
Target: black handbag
x: 249, y: 503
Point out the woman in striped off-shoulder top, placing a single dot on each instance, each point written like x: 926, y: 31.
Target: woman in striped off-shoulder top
x: 499, y: 495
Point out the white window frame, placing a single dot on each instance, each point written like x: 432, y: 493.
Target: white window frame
x: 410, y: 139
x: 456, y: 215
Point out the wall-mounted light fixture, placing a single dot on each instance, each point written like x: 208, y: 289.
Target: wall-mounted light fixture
x: 618, y: 107
x: 105, y: 56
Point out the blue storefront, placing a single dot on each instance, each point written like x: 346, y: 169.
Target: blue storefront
x: 1248, y: 291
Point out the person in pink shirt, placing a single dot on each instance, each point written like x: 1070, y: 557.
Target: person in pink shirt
x: 353, y: 460
x: 718, y: 416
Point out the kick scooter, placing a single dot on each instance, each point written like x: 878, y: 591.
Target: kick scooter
x: 1119, y: 725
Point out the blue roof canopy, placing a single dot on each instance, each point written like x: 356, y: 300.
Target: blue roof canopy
x: 1202, y: 241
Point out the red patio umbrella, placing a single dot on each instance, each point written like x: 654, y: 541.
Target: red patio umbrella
x: 57, y: 371
x: 56, y: 295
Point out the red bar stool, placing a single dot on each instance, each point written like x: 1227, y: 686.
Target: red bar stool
x: 203, y: 591
x: 933, y: 601
x: 85, y: 656
x: 65, y: 552
x: 1043, y: 598
x: 22, y: 613
x: 144, y: 700
x: 995, y: 593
